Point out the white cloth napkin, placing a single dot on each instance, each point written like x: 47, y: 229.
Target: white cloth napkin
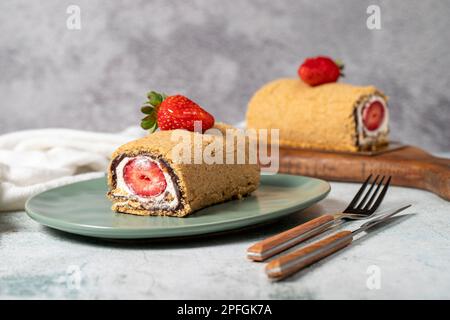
x: 33, y: 161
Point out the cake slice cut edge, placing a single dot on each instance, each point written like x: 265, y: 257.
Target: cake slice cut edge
x: 143, y: 179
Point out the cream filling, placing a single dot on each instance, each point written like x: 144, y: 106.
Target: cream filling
x: 365, y: 136
x: 166, y: 200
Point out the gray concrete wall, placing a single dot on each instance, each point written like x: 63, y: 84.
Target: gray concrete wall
x: 217, y: 52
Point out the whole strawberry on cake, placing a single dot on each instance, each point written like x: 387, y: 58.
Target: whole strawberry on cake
x: 146, y: 176
x: 315, y: 111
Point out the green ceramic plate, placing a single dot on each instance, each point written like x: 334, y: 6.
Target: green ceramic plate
x: 82, y: 208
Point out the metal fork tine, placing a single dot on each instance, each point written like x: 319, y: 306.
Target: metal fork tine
x: 363, y: 201
x: 375, y: 194
x: 380, y: 197
x: 358, y: 194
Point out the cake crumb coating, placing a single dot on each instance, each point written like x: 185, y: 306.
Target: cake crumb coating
x: 200, y: 184
x: 321, y: 117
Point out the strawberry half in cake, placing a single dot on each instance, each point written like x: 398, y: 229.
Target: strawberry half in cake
x: 372, y: 116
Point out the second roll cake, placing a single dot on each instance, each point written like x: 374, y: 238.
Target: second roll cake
x: 146, y: 179
x: 332, y: 116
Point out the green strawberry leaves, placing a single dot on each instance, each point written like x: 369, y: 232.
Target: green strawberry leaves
x: 147, y: 109
x: 150, y: 109
x: 154, y: 98
x: 150, y: 122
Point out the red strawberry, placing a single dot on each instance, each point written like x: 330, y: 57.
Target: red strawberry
x: 373, y: 115
x: 320, y: 70
x: 174, y: 112
x: 178, y: 112
x: 144, y: 177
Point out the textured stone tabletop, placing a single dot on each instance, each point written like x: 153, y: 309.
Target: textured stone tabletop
x: 409, y: 259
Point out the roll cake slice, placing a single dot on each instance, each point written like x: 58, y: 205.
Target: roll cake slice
x: 147, y: 178
x: 333, y: 116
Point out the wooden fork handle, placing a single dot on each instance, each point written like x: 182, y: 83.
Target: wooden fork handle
x: 292, y: 262
x: 282, y: 241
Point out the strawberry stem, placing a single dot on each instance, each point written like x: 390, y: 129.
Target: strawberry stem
x: 339, y: 63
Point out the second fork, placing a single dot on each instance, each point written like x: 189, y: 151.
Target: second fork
x: 356, y: 210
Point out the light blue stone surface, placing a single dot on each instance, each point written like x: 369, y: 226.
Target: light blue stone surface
x: 412, y: 254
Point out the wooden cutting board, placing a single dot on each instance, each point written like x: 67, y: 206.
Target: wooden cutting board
x: 409, y: 167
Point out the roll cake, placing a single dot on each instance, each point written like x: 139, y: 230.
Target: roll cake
x: 332, y: 116
x: 147, y: 178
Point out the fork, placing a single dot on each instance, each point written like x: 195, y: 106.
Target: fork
x: 356, y: 210
x: 290, y: 263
